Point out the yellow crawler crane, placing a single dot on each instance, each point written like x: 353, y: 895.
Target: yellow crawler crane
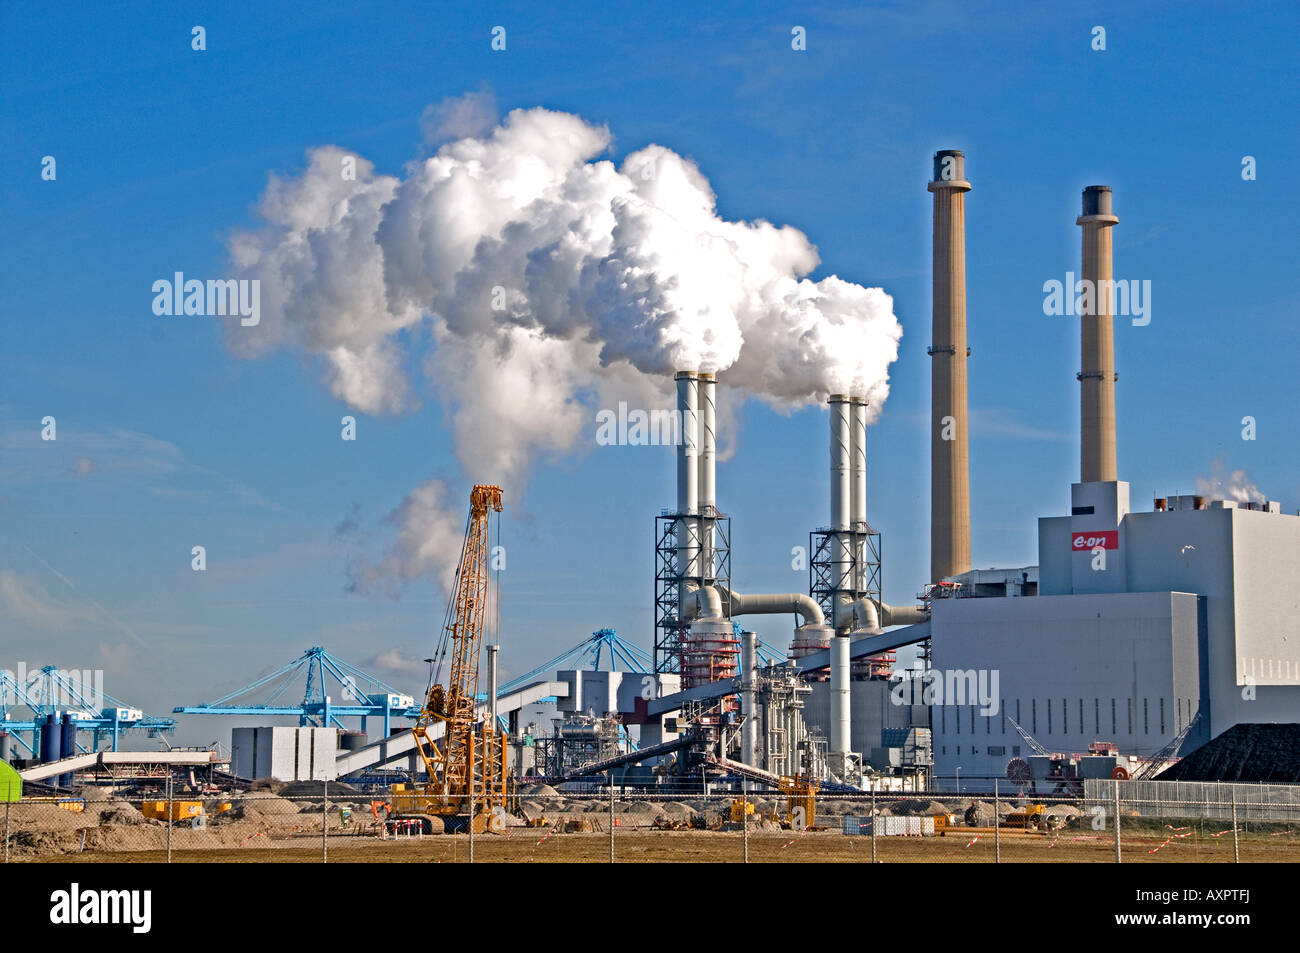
x: 467, y: 778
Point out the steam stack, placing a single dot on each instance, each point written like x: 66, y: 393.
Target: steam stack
x: 841, y: 445
x: 858, y: 509
x: 1097, y: 340
x: 688, y: 479
x: 708, y: 454
x: 949, y: 452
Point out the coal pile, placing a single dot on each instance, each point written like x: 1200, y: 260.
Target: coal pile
x: 1250, y: 753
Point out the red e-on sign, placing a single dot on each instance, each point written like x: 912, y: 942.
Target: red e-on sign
x: 1086, y: 542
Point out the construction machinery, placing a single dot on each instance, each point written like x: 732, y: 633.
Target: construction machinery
x: 466, y: 787
x: 801, y: 801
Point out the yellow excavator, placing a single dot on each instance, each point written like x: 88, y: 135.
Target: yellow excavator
x: 467, y: 782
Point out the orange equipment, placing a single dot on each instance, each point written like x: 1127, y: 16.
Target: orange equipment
x: 468, y: 766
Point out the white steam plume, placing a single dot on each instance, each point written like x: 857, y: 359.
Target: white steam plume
x: 527, y: 259
x: 1223, y: 484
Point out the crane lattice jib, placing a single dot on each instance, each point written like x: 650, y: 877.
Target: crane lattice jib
x: 449, y: 766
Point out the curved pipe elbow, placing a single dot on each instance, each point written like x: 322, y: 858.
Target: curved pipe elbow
x: 804, y: 606
x: 902, y: 615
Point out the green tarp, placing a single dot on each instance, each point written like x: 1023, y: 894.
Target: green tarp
x: 11, y: 786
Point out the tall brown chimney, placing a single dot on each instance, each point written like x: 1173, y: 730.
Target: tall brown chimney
x: 1097, y: 339
x: 949, y: 450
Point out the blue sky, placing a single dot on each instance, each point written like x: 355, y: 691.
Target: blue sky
x: 166, y: 440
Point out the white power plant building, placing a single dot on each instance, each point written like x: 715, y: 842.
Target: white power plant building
x: 1141, y: 621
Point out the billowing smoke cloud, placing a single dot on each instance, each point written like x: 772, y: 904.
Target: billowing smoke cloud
x: 517, y: 254
x: 430, y: 530
x: 1223, y: 484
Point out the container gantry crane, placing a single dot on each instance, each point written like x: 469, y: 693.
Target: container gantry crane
x: 466, y: 767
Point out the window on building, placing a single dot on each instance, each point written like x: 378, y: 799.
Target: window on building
x: 1096, y: 704
x: 1019, y: 720
x: 997, y: 750
x: 1081, y: 728
x: 1130, y: 716
x: 1065, y: 716
x: 972, y: 719
x: 943, y: 718
x: 1162, y: 716
x: 1113, y: 729
x: 1049, y: 716
x: 1015, y: 750
x: 1002, y: 709
x: 1146, y: 716
x: 1033, y: 714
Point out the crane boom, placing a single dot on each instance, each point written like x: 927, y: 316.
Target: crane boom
x: 469, y: 766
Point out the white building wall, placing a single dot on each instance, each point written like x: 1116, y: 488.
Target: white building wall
x: 1065, y: 663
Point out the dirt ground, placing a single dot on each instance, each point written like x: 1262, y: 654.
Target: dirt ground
x: 534, y: 846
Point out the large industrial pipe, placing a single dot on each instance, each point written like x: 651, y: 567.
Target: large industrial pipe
x: 688, y: 470
x: 1097, y: 341
x: 748, y: 708
x: 708, y: 448
x: 840, y: 728
x: 869, y: 615
x: 858, y: 503
x: 949, y: 450
x: 688, y: 476
x: 718, y: 600
x: 841, y: 447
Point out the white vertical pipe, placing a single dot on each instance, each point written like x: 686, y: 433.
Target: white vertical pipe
x: 858, y: 507
x: 839, y: 740
x: 841, y: 485
x: 688, y: 476
x: 708, y: 468
x: 748, y: 663
x: 841, y: 477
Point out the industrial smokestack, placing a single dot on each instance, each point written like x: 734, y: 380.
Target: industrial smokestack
x: 688, y: 472
x: 688, y: 476
x: 858, y: 506
x: 708, y: 469
x: 1097, y: 341
x: 841, y: 446
x: 949, y: 451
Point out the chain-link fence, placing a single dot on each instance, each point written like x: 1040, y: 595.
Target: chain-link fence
x: 544, y: 825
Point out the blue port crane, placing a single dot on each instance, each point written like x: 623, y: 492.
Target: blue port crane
x: 361, y: 695
x: 587, y: 654
x: 27, y: 699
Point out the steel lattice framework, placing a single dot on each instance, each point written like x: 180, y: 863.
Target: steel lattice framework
x: 670, y: 577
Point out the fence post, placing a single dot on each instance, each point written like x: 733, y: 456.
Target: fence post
x: 1118, y: 855
x: 471, y: 817
x: 325, y: 822
x: 8, y: 804
x: 1236, y: 847
x: 744, y: 814
x: 873, y: 825
x: 611, y: 818
x: 997, y: 827
x: 169, y: 817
